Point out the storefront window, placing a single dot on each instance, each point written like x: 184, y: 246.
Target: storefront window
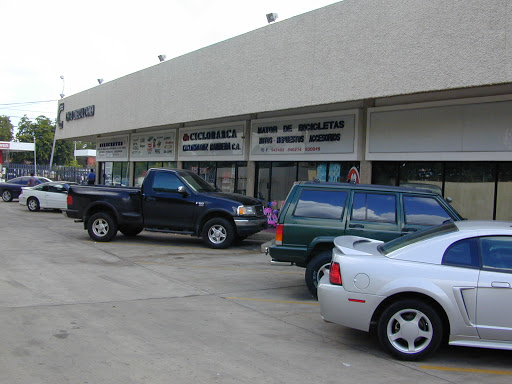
x: 241, y: 178
x: 309, y: 171
x: 385, y: 173
x: 504, y: 192
x: 114, y: 173
x: 263, y: 183
x: 207, y: 171
x: 284, y: 174
x: 140, y: 169
x: 225, y: 179
x: 422, y: 173
x: 471, y: 186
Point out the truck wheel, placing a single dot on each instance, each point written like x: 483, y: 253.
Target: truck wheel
x: 6, y: 195
x: 218, y: 233
x: 33, y: 204
x: 410, y: 329
x: 101, y: 227
x: 131, y: 231
x: 316, y: 269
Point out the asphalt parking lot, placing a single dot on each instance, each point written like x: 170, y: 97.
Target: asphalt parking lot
x: 163, y: 308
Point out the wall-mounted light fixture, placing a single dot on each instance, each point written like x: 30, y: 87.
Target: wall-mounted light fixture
x: 271, y: 17
x: 100, y: 81
x: 162, y: 57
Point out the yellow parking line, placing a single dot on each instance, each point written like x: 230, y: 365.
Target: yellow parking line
x: 222, y: 268
x: 469, y: 370
x: 271, y: 301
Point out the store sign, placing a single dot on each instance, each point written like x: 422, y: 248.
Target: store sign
x: 80, y: 113
x: 5, y: 145
x: 153, y: 146
x: 321, y: 135
x: 112, y: 149
x: 218, y: 141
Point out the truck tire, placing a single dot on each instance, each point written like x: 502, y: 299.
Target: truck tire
x: 101, y: 227
x: 218, y: 233
x: 316, y: 269
x: 130, y: 231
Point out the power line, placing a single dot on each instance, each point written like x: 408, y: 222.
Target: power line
x: 30, y: 102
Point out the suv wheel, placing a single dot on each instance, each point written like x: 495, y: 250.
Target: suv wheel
x: 316, y: 269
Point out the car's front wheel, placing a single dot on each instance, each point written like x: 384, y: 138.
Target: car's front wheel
x: 33, y: 204
x: 316, y: 268
x: 101, y: 227
x: 218, y: 233
x: 6, y: 195
x: 410, y: 329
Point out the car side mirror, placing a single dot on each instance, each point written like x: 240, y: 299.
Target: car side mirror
x: 182, y: 190
x: 448, y: 199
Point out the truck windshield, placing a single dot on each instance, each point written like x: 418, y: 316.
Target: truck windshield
x: 197, y: 183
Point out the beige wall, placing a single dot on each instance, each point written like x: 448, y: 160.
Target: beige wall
x: 351, y: 50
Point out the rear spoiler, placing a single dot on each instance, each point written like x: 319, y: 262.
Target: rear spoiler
x: 348, y: 244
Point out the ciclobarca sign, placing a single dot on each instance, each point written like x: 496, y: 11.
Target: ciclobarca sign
x: 212, y: 141
x: 80, y: 113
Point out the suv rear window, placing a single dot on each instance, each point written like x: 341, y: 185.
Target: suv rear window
x: 321, y: 204
x: 421, y: 210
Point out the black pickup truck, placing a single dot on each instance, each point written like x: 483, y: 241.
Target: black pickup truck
x: 170, y: 200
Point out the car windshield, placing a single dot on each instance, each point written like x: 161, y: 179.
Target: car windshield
x: 412, y: 238
x: 197, y: 183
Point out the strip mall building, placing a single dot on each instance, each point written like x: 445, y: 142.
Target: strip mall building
x: 404, y: 90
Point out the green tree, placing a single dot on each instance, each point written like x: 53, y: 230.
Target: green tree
x: 43, y: 130
x: 5, y: 128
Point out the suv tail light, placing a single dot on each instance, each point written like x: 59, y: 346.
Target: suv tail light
x: 279, y: 234
x: 335, y: 274
x: 69, y: 200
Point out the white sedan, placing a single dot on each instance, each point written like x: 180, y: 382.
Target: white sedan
x: 452, y: 281
x: 51, y: 195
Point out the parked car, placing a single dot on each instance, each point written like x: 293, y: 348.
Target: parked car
x: 11, y: 189
x: 316, y: 212
x: 451, y: 282
x: 170, y: 200
x: 50, y: 195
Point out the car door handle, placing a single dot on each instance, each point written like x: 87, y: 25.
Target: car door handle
x: 150, y: 198
x: 409, y: 230
x: 500, y: 284
x: 356, y: 226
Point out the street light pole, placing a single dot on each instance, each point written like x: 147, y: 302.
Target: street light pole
x: 55, y: 133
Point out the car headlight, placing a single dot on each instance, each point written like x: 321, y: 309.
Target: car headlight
x: 246, y: 210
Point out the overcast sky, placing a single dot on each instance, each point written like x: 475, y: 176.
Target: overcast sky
x: 43, y: 40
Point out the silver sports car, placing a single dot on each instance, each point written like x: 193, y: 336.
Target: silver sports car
x: 454, y: 280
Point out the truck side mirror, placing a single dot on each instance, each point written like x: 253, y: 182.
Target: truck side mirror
x: 182, y: 190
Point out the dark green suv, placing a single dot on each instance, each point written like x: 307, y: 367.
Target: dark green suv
x: 316, y: 212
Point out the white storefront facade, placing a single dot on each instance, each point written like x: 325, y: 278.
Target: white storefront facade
x: 405, y: 91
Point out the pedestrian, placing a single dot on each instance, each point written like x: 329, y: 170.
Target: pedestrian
x: 32, y: 182
x: 91, y: 177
